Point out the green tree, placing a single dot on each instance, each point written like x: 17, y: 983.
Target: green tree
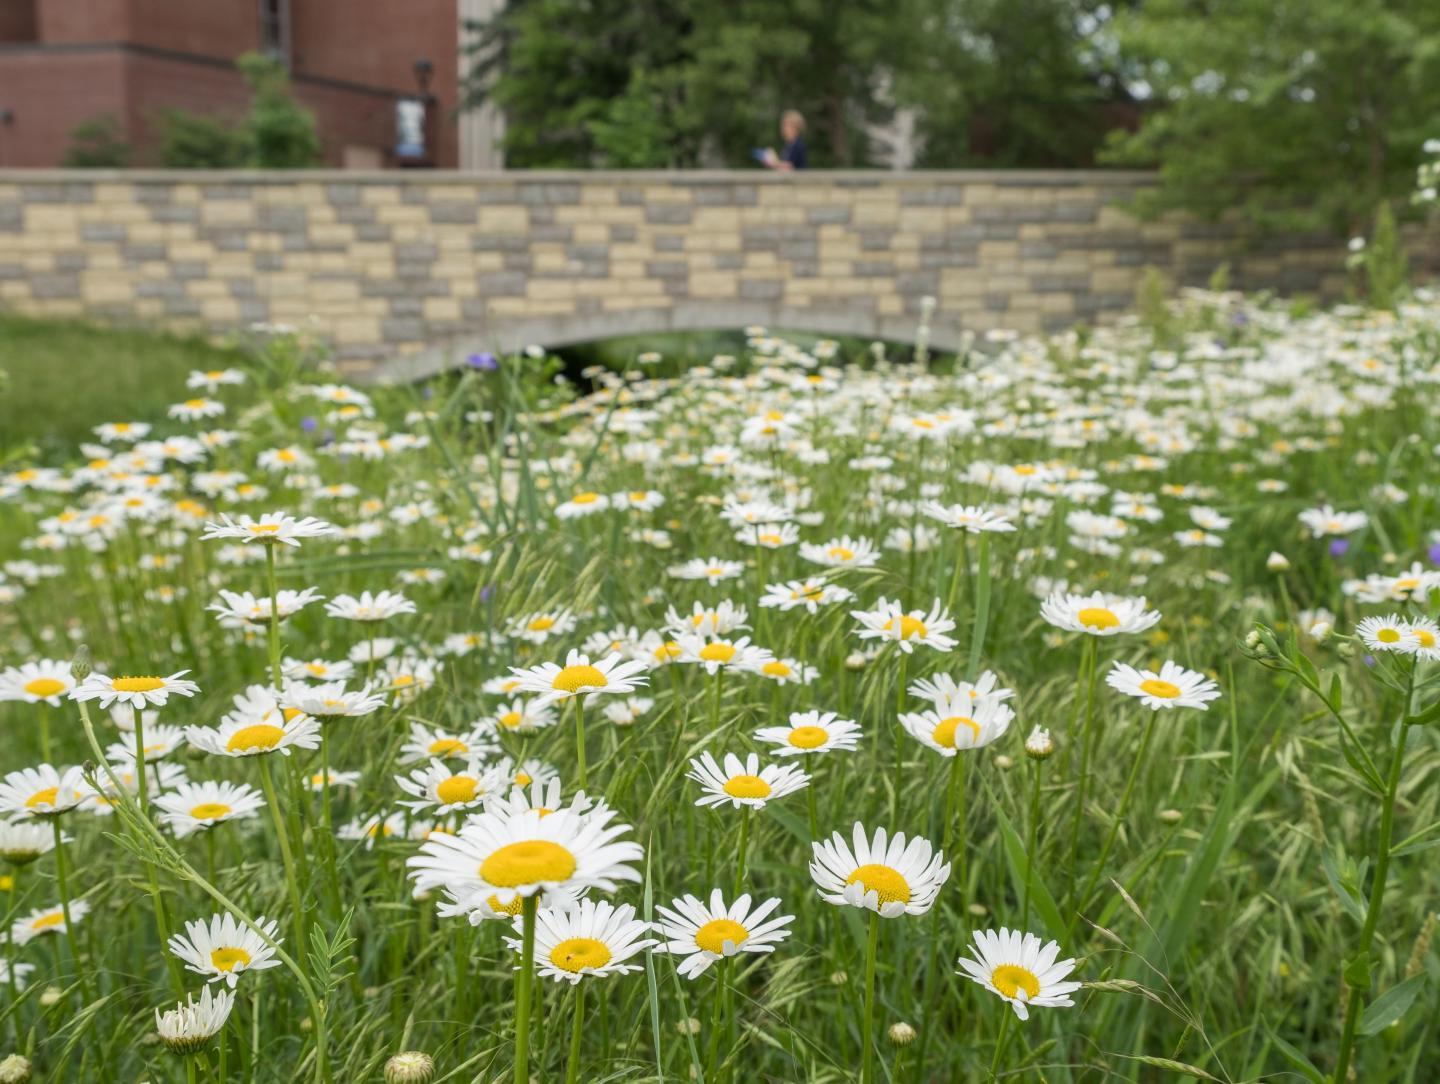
x: 200, y: 141
x: 97, y: 143
x: 279, y: 132
x: 1300, y: 113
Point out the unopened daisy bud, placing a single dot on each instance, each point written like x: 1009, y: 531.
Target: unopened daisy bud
x: 1277, y: 562
x: 901, y: 1033
x: 50, y: 996
x: 1171, y: 816
x: 1345, y: 649
x: 1320, y: 631
x: 1003, y: 762
x: 410, y: 1067
x: 688, y: 1026
x: 1252, y: 639
x: 191, y: 1024
x: 979, y: 910
x: 838, y: 978
x: 15, y: 1069
x: 1038, y: 746
x: 80, y: 665
x: 854, y: 662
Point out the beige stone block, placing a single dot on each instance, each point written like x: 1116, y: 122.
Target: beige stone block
x: 377, y: 195
x: 550, y: 289
x: 203, y: 288
x: 441, y: 308
x: 713, y: 284
x: 227, y: 212
x: 338, y: 234
x: 225, y: 309
x: 334, y: 290
x: 402, y: 214
x: 357, y: 329
x: 591, y: 233
x: 57, y: 218
x: 503, y: 220
x: 106, y: 288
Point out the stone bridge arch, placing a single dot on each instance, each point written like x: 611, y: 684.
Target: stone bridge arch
x: 405, y: 273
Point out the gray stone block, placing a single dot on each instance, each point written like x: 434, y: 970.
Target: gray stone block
x: 668, y: 214
x: 402, y: 331
x: 762, y: 289
x: 100, y: 233
x: 453, y: 212
x: 502, y: 284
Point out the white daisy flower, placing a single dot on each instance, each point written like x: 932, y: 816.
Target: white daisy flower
x: 718, y: 620
x: 437, y: 788
x: 1098, y: 614
x: 953, y: 725
x: 495, y: 859
x: 1173, y: 687
x: 22, y: 842
x: 944, y: 689
x: 885, y: 874
x: 256, y: 725
x: 15, y: 975
x: 190, y: 1025
x: 717, y: 654
x: 594, y: 938
x: 889, y: 622
x: 193, y: 807
x: 1384, y: 633
x: 811, y: 732
x: 427, y: 742
x: 241, y: 609
x: 47, y: 920
x: 971, y: 518
x: 582, y: 504
x: 268, y: 529
x: 45, y: 681
x: 43, y: 791
x: 579, y: 677
x: 138, y: 692
x: 536, y: 628
x: 331, y: 700
x: 380, y: 606
x: 744, y: 783
x: 1019, y: 969
x: 520, y: 717
x: 845, y: 552
x: 710, y: 569
x: 224, y: 949
x: 704, y: 933
x: 160, y: 741
x: 1325, y: 520
x: 810, y: 594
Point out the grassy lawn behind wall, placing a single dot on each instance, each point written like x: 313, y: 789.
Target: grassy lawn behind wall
x: 64, y: 377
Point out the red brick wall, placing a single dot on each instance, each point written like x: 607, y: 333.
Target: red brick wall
x: 18, y: 21
x: 350, y: 57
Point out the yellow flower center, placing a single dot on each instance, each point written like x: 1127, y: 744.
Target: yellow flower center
x: 228, y: 959
x: 446, y: 747
x: 712, y: 936
x: 207, y: 811
x: 457, y: 789
x: 540, y: 624
x: 511, y: 908
x: 771, y: 539
x: 527, y: 862
x: 511, y: 719
x: 808, y: 737
x: 668, y: 650
x: 747, y: 786
x: 137, y: 684
x: 259, y: 736
x: 1424, y: 637
x: 1093, y: 617
x: 638, y: 495
x: 944, y: 732
x: 49, y: 922
x: 523, y: 779
x: 194, y: 404
x: 42, y: 797
x: 1010, y: 979
x: 585, y: 498
x: 909, y: 628
x: 574, y: 678
x: 1388, y: 636
x: 883, y: 881
x: 577, y: 953
x: 776, y: 668
x: 840, y: 553
x: 718, y: 652
x: 44, y: 687
x: 264, y: 528
x: 1162, y: 689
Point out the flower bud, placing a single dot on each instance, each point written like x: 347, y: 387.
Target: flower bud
x: 1038, y: 745
x: 688, y: 1026
x: 1277, y: 562
x: 410, y: 1067
x: 15, y: 1069
x: 81, y: 664
x: 1171, y: 816
x: 901, y: 1033
x: 1003, y: 762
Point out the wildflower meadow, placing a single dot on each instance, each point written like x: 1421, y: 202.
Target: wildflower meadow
x: 1060, y: 710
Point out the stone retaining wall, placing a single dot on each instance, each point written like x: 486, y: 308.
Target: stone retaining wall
x: 406, y: 272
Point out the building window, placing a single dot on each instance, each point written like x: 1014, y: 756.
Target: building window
x: 275, y: 29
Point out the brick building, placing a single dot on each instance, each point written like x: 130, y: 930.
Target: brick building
x: 63, y: 62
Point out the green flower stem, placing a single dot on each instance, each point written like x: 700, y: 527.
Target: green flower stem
x: 982, y: 608
x: 10, y: 944
x: 1005, y: 1014
x: 867, y: 1038
x: 331, y: 870
x: 523, y: 978
x: 1088, y: 670
x: 1032, y: 839
x: 274, y: 636
x: 292, y: 880
x: 955, y: 806
x: 1084, y: 898
x: 744, y: 844
x: 580, y: 736
x: 1377, y: 884
x: 60, y: 877
x: 577, y: 1032
x: 717, y: 1022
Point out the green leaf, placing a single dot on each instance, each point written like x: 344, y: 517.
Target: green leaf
x: 1348, y: 900
x: 1391, y: 1005
x: 1299, y: 1060
x: 1040, y: 896
x: 1357, y: 972
x: 1336, y: 692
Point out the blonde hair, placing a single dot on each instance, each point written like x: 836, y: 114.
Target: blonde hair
x: 796, y: 116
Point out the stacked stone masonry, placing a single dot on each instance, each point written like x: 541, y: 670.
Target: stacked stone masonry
x: 405, y: 273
